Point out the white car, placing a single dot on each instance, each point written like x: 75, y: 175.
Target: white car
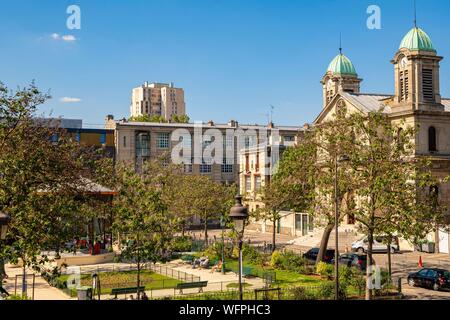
x: 379, y: 245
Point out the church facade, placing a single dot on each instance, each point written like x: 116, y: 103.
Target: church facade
x: 416, y: 102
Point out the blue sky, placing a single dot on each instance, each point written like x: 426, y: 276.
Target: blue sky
x: 234, y: 58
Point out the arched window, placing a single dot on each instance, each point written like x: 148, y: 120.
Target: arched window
x: 400, y: 139
x: 434, y: 195
x: 432, y: 145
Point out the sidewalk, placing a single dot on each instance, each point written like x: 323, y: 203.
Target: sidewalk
x: 42, y: 290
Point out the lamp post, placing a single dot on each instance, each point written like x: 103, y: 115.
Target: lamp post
x: 222, y: 225
x: 336, y: 223
x: 4, y: 221
x: 239, y: 214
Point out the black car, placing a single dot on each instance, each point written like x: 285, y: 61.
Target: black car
x: 432, y: 278
x: 354, y: 260
x: 312, y: 255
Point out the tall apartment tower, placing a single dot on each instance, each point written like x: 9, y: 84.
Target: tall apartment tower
x: 160, y: 99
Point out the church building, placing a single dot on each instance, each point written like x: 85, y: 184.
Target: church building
x: 416, y: 100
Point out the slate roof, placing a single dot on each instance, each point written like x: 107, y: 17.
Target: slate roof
x: 367, y: 102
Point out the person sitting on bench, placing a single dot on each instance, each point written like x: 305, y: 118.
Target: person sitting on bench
x: 218, y: 266
x: 204, y: 263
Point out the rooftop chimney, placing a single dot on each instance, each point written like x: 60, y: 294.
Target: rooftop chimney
x: 233, y: 123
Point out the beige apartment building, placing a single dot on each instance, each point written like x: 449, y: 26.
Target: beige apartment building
x: 137, y: 142
x: 257, y: 165
x: 159, y: 99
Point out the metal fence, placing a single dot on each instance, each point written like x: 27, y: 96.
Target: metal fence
x: 160, y: 269
x: 175, y: 274
x: 298, y: 293
x: 174, y: 277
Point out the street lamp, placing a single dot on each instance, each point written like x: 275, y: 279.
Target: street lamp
x: 4, y: 221
x: 239, y: 214
x: 342, y: 159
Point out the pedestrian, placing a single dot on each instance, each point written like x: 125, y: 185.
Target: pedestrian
x: 144, y: 296
x: 74, y: 242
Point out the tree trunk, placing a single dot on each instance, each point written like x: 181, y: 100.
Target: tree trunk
x: 436, y: 239
x: 324, y: 242
x: 389, y: 259
x: 274, y: 235
x: 206, y: 232
x: 24, y: 280
x: 369, y: 271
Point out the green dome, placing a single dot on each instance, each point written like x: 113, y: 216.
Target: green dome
x: 342, y: 65
x: 417, y: 40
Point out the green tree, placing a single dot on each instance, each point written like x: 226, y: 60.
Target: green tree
x: 180, y: 118
x: 308, y: 171
x: 390, y: 183
x: 41, y: 169
x: 207, y: 199
x: 141, y: 220
x: 148, y: 118
x: 275, y: 200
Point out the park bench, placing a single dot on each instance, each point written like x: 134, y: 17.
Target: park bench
x: 116, y: 291
x: 187, y: 258
x: 247, y: 272
x: 191, y: 285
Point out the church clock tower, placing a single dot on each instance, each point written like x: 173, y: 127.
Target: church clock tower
x: 416, y: 67
x: 341, y: 76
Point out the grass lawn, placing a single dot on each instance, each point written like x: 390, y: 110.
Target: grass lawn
x: 284, y: 278
x: 236, y: 285
x: 123, y: 279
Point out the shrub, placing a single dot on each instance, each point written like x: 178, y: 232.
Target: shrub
x: 346, y: 275
x: 250, y: 254
x: 327, y: 291
x: 300, y: 293
x: 325, y: 270
x: 276, y: 261
x: 293, y: 262
x: 358, y: 280
x: 182, y: 244
x: 290, y: 261
x: 214, y: 251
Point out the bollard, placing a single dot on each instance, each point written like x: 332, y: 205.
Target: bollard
x: 399, y: 286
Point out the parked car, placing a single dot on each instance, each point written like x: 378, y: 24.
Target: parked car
x: 379, y: 245
x: 354, y: 260
x: 432, y: 278
x: 312, y: 255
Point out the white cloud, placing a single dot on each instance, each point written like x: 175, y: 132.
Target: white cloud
x: 69, y: 100
x: 67, y: 37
